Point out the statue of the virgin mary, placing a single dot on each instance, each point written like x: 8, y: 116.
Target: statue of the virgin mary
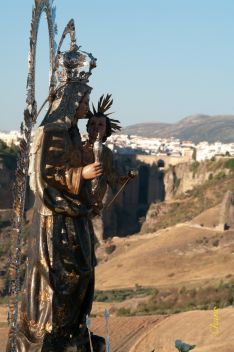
x: 59, y: 282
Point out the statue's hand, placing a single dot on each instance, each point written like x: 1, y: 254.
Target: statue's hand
x: 92, y: 170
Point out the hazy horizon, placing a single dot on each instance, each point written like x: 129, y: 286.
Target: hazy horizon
x: 82, y: 123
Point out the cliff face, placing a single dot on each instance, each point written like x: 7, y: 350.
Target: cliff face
x: 125, y: 215
x: 142, y: 201
x: 184, y: 177
x: 226, y: 219
x: 191, y: 189
x: 154, y: 184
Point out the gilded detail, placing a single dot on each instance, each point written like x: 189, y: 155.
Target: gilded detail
x: 39, y: 329
x: 44, y: 296
x: 71, y: 277
x: 49, y: 221
x: 43, y: 261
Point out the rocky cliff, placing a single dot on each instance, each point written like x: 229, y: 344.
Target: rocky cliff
x: 192, y: 188
x: 184, y: 177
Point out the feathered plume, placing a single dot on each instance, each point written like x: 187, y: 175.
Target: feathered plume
x: 104, y: 104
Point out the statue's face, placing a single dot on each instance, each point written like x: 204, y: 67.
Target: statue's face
x: 96, y: 125
x: 83, y: 107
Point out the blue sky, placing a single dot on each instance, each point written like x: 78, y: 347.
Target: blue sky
x: 161, y: 59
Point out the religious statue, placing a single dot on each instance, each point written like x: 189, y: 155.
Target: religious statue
x: 99, y: 127
x: 59, y: 282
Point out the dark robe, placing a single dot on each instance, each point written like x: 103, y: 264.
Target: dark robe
x: 59, y: 282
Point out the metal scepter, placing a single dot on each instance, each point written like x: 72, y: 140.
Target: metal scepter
x: 97, y: 151
x: 131, y: 174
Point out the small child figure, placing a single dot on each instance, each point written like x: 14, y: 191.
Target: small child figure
x: 100, y: 127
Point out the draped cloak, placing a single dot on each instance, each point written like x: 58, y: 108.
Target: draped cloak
x: 59, y: 282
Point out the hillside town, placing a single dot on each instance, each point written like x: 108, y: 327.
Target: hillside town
x: 132, y: 144
x: 169, y: 146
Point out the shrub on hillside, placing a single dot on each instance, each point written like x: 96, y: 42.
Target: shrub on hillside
x: 110, y: 249
x: 123, y: 312
x: 124, y: 294
x: 8, y: 155
x: 229, y: 164
x: 194, y: 167
x: 180, y: 300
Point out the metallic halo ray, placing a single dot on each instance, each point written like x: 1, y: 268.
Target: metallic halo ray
x: 20, y: 186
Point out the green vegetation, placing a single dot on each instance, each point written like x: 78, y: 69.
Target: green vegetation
x: 214, y: 165
x: 110, y: 249
x: 220, y: 175
x: 8, y: 155
x: 123, y: 294
x: 176, y: 182
x: 229, y: 164
x: 123, y: 312
x: 180, y: 300
x: 194, y: 167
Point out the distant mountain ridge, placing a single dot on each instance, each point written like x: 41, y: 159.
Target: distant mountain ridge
x: 196, y: 128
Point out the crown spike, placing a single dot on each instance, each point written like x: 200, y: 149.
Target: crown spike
x: 70, y: 65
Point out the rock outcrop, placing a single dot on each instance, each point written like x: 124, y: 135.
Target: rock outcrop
x: 227, y: 211
x: 185, y: 176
